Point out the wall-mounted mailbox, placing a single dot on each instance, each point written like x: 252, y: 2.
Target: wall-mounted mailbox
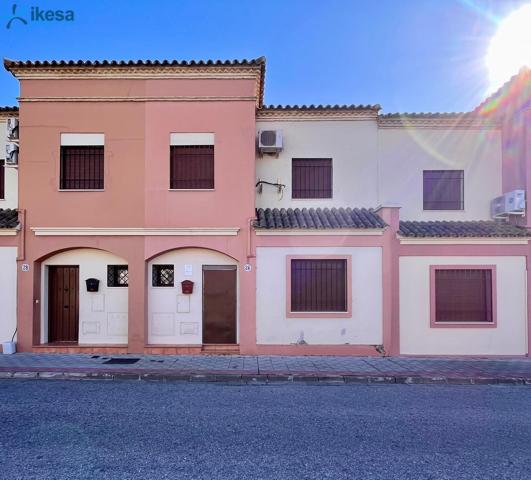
x: 93, y: 284
x: 187, y: 286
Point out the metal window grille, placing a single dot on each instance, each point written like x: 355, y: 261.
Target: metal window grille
x: 82, y: 167
x: 311, y: 178
x: 192, y: 167
x: 117, y: 275
x: 443, y: 189
x: 163, y: 276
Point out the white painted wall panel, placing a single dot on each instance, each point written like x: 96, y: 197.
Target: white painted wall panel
x: 102, y: 315
x: 8, y: 292
x: 275, y: 328
x: 10, y: 199
x: 174, y: 318
x: 508, y: 338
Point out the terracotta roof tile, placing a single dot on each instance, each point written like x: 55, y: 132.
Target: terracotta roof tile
x: 313, y: 107
x: 318, y: 218
x: 456, y: 229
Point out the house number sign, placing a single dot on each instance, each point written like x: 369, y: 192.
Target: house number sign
x: 25, y: 267
x: 247, y: 267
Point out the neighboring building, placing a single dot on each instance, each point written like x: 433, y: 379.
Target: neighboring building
x: 364, y: 234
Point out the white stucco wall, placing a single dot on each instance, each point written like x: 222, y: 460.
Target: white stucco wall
x: 11, y: 174
x: 275, y: 328
x: 404, y: 153
x: 352, y: 147
x: 102, y: 314
x: 174, y: 318
x: 509, y: 337
x: 8, y: 292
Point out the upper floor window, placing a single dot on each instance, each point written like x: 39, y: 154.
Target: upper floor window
x: 2, y: 180
x: 82, y: 161
x: 192, y: 161
x: 311, y: 178
x: 443, y: 189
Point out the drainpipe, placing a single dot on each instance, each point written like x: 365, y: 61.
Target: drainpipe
x: 22, y: 240
x: 250, y: 252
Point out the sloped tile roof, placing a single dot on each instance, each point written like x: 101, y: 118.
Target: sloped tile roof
x: 455, y: 229
x: 8, y: 218
x: 319, y: 218
x: 321, y: 107
x: 8, y: 109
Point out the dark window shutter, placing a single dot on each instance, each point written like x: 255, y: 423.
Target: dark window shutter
x: 463, y: 295
x: 192, y: 167
x: 319, y: 285
x: 443, y: 189
x: 311, y: 178
x: 2, y: 180
x: 82, y: 167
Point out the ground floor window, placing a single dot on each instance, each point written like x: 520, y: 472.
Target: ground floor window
x: 463, y: 295
x: 117, y: 276
x: 162, y: 275
x: 318, y: 285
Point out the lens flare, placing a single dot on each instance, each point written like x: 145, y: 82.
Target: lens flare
x: 510, y: 48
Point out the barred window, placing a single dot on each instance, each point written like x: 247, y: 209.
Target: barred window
x: 319, y: 285
x: 311, y: 178
x: 82, y: 167
x: 192, y: 167
x: 443, y: 189
x: 163, y: 275
x: 2, y: 180
x: 117, y: 275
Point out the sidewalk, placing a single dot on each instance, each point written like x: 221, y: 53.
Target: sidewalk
x: 268, y: 369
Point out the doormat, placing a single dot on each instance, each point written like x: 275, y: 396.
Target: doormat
x: 121, y: 361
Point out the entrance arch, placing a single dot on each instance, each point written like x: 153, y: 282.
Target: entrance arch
x: 207, y: 315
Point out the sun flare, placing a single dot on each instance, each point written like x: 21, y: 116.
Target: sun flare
x: 510, y: 48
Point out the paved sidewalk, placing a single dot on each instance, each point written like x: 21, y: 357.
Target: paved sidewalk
x: 268, y: 368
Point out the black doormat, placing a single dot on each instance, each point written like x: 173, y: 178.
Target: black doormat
x: 121, y: 361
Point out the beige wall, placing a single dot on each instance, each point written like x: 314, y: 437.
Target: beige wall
x: 404, y: 153
x: 103, y: 314
x: 8, y: 292
x: 352, y: 147
x: 509, y: 337
x: 275, y: 328
x: 174, y: 318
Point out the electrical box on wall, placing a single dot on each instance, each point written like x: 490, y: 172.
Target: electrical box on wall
x: 187, y: 287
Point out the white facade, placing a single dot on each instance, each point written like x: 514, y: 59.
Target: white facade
x: 102, y: 314
x: 176, y: 318
x: 403, y: 154
x: 352, y: 146
x: 10, y: 199
x: 274, y: 327
x: 509, y: 337
x: 8, y: 292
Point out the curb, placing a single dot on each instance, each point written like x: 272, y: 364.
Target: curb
x: 265, y: 379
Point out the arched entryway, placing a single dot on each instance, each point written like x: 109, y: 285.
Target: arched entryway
x: 204, y: 311
x: 74, y: 311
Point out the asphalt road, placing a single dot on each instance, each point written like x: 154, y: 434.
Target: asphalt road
x: 142, y: 430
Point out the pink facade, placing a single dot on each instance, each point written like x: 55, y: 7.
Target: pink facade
x: 137, y: 217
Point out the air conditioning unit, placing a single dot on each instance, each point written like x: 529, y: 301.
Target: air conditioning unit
x: 269, y: 141
x: 510, y: 203
x: 11, y: 155
x: 12, y: 128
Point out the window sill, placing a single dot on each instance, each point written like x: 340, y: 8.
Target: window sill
x: 191, y: 189
x: 319, y: 314
x: 463, y: 325
x: 312, y: 199
x: 444, y: 210
x: 81, y: 190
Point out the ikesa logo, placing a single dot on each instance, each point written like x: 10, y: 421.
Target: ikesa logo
x: 38, y: 14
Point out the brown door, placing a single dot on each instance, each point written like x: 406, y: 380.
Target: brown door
x: 219, y: 304
x: 63, y: 304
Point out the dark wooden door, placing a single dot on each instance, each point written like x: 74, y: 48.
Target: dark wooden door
x: 63, y: 304
x: 219, y: 304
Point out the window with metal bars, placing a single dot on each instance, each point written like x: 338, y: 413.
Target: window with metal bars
x: 82, y: 167
x: 163, y: 275
x: 319, y: 285
x: 2, y: 180
x: 311, y: 178
x: 443, y: 189
x: 463, y: 295
x: 192, y: 167
x: 117, y: 275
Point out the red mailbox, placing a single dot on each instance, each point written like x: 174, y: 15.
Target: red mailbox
x: 187, y: 286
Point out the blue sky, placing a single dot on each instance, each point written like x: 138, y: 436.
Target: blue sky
x: 407, y: 55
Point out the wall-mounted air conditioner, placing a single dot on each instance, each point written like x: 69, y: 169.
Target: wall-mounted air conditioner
x: 269, y: 141
x: 12, y: 128
x: 510, y: 203
x: 11, y: 155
